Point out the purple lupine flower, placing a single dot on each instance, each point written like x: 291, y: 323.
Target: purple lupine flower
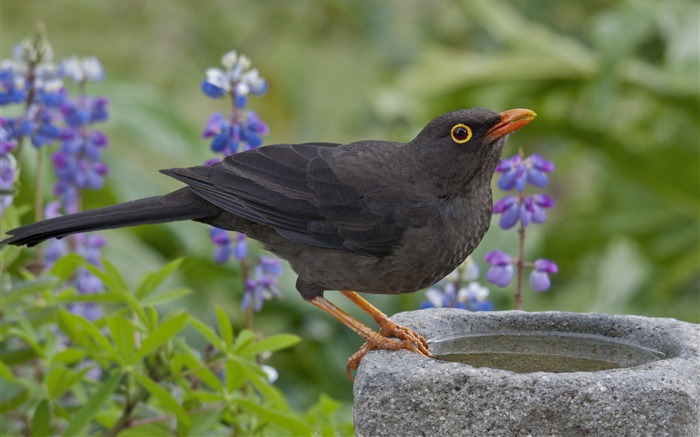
x: 78, y: 162
x: 477, y: 296
x: 539, y: 278
x: 243, y: 129
x: 533, y: 208
x: 32, y: 73
x: 229, y: 138
x: 41, y: 124
x: 240, y: 249
x: 460, y: 290
x: 222, y: 243
x: 443, y: 295
x: 509, y: 209
x: 517, y: 171
x: 12, y: 85
x: 238, y: 79
x: 82, y: 69
x: 8, y: 168
x: 501, y: 271
x: 263, y: 284
x: 239, y: 131
x: 524, y: 209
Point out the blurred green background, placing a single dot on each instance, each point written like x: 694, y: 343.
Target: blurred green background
x: 615, y: 84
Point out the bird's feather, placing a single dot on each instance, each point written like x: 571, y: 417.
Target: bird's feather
x: 297, y: 190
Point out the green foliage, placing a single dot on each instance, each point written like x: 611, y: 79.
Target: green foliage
x: 615, y: 84
x: 132, y: 372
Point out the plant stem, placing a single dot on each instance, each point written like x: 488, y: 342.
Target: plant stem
x: 37, y: 265
x: 38, y: 191
x: 245, y: 272
x: 132, y: 401
x: 520, y: 265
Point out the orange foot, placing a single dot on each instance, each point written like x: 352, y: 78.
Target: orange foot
x: 391, y: 336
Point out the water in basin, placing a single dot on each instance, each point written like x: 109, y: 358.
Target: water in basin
x: 550, y: 351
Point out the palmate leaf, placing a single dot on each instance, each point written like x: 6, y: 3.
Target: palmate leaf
x: 60, y: 379
x: 152, y: 280
x: 167, y: 330
x: 82, y: 332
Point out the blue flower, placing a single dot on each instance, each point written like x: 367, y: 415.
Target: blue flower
x: 232, y: 137
x: 501, y: 271
x: 12, y: 86
x: 509, y: 209
x: 459, y: 290
x: 240, y: 249
x: 8, y: 170
x: 539, y: 278
x: 222, y: 242
x: 263, y: 284
x: 525, y: 209
x: 533, y: 208
x: 82, y: 69
x: 237, y: 79
x: 517, y: 171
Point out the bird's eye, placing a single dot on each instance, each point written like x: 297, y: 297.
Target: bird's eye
x: 461, y: 133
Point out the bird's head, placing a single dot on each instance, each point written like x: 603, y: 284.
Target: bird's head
x: 462, y: 145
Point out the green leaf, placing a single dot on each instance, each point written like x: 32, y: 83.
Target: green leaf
x: 84, y: 333
x: 41, y: 422
x: 27, y: 337
x: 158, y: 429
x: 284, y: 419
x: 8, y: 255
x: 166, y: 400
x: 152, y: 280
x: 60, y: 379
x: 25, y: 289
x: 197, y: 367
x: 68, y: 356
x: 6, y: 372
x: 83, y: 417
x: 208, y: 334
x: 270, y: 344
x: 122, y: 332
x: 203, y: 422
x: 65, y: 266
x: 114, y: 279
x: 259, y: 379
x: 235, y: 375
x: 164, y: 332
x: 244, y: 338
x: 224, y: 327
x: 12, y: 396
x: 167, y: 296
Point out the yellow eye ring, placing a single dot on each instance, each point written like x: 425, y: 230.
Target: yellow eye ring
x: 461, y: 133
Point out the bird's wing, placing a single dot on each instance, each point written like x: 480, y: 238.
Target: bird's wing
x: 295, y: 190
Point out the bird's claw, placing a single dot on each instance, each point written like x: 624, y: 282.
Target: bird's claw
x: 391, y: 336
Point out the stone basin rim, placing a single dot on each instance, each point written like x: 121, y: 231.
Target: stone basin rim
x: 439, y: 324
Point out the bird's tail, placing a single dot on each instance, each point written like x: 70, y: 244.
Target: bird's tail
x: 179, y: 205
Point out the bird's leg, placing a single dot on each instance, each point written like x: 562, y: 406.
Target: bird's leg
x: 388, y: 328
x: 346, y: 319
x: 373, y: 339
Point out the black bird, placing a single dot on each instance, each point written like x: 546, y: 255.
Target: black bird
x: 373, y: 216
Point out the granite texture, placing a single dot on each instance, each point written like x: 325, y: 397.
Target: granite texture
x: 404, y: 394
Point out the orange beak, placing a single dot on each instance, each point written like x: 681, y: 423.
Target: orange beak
x: 511, y: 120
